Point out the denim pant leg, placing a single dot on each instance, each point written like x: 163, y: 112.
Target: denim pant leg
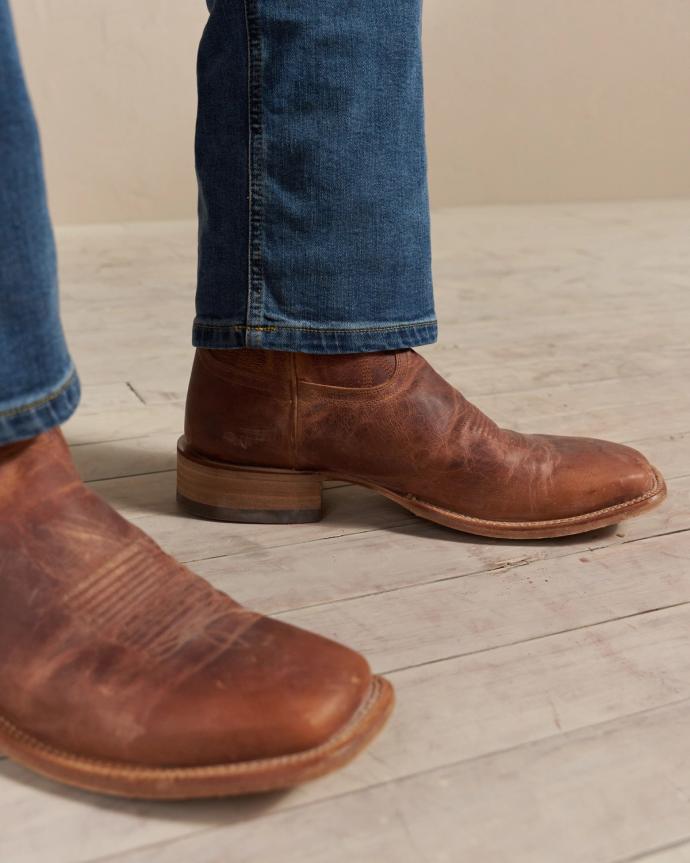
x: 310, y: 153
x: 38, y: 384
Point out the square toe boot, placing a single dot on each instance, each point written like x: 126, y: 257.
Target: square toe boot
x: 123, y: 672
x: 263, y: 429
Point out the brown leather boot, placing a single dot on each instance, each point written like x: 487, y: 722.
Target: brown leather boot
x: 125, y: 673
x: 263, y: 429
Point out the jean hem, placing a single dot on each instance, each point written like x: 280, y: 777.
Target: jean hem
x: 42, y: 412
x: 314, y: 340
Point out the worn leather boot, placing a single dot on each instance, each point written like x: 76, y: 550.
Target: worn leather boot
x: 125, y: 673
x: 264, y: 428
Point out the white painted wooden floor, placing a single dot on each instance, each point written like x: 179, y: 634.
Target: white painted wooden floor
x: 543, y: 687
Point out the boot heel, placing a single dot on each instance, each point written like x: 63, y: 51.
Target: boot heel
x: 214, y: 490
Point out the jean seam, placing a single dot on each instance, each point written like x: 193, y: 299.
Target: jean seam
x: 255, y: 166
x: 39, y: 403
x: 277, y: 328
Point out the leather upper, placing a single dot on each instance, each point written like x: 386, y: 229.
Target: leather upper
x: 390, y: 420
x: 113, y: 650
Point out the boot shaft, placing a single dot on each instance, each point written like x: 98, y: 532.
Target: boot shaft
x: 244, y: 406
x: 241, y: 407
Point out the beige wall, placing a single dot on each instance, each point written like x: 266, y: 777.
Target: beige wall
x: 544, y: 100
x: 527, y: 100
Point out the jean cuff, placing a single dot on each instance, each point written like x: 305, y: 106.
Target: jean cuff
x: 42, y: 411
x: 313, y: 340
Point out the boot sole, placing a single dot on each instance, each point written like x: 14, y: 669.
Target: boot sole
x: 214, y: 780
x: 224, y: 492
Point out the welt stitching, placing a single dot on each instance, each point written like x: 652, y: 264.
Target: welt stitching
x: 42, y: 401
x: 573, y: 519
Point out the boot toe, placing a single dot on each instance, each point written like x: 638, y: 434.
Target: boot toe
x: 636, y: 476
x: 619, y: 475
x: 277, y: 692
x: 592, y: 475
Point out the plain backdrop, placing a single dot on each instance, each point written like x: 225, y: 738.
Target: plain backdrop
x: 527, y: 100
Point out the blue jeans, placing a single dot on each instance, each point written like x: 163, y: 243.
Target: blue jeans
x: 313, y: 205
x: 38, y: 385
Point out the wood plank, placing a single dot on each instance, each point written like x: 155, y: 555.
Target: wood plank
x: 125, y: 424
x: 592, y: 796
x: 108, y: 397
x: 453, y: 616
x: 576, y: 398
x: 127, y: 457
